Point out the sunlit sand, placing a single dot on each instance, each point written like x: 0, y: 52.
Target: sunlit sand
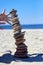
x: 34, y: 41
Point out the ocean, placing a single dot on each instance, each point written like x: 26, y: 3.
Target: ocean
x: 32, y: 26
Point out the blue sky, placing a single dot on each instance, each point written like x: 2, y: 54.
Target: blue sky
x: 29, y: 11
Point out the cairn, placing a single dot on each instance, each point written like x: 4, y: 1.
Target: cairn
x: 21, y: 50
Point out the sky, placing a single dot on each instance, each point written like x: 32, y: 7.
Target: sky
x: 29, y: 11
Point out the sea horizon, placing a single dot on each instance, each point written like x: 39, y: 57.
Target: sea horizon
x: 29, y: 26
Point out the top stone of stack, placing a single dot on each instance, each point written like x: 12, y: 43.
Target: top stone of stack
x: 13, y: 11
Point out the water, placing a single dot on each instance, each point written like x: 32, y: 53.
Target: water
x: 33, y: 26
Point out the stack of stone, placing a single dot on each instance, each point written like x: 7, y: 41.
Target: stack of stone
x: 21, y: 50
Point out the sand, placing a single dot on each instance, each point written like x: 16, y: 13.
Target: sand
x: 34, y: 41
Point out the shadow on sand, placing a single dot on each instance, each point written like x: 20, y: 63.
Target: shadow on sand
x: 8, y: 58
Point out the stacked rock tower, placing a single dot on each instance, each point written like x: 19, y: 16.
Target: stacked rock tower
x: 21, y: 50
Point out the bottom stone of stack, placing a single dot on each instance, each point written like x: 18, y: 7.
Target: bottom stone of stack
x: 21, y: 51
x: 20, y: 55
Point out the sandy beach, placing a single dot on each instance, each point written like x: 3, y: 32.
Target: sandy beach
x: 34, y: 41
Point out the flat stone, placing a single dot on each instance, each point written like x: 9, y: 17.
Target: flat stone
x: 19, y: 42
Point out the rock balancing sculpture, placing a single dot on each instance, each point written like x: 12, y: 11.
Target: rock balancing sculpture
x: 21, y: 50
